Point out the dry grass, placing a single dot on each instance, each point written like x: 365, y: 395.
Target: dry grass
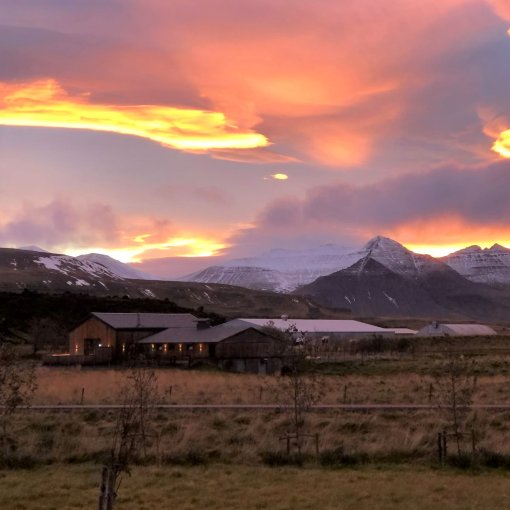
x: 255, y: 488
x: 64, y: 385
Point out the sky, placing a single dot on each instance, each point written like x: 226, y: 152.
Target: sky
x: 175, y: 134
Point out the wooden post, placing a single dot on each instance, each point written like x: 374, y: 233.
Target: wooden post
x: 445, y: 445
x: 317, y: 446
x: 261, y: 391
x: 288, y: 444
x: 473, y: 441
x: 82, y: 396
x: 345, y: 393
x: 431, y: 389
x: 440, y: 448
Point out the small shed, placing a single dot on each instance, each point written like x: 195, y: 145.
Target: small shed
x: 441, y: 329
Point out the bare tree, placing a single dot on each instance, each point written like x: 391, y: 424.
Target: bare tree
x: 455, y: 385
x: 139, y: 396
x: 17, y: 385
x: 299, y: 386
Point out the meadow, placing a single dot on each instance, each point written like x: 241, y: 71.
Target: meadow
x: 227, y: 487
x: 236, y: 458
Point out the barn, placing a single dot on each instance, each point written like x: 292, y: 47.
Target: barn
x: 234, y: 346
x: 171, y: 339
x: 113, y: 334
x: 441, y: 329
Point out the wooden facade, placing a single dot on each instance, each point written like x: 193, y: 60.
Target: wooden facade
x: 91, y: 334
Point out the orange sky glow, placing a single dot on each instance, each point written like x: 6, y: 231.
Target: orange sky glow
x: 237, y: 109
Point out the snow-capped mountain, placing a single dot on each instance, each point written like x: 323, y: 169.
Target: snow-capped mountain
x: 286, y: 270
x: 392, y: 281
x: 487, y: 265
x: 279, y: 270
x: 114, y: 266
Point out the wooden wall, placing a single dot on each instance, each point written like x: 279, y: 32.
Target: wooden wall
x: 91, y: 328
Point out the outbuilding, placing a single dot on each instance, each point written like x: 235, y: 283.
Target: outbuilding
x: 442, y: 329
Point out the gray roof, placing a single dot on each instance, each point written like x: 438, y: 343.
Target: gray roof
x: 441, y: 329
x: 318, y: 326
x: 469, y: 329
x: 193, y: 335
x: 402, y: 331
x: 147, y: 320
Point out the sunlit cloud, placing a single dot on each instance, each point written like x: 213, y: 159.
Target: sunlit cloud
x: 45, y: 103
x: 280, y: 177
x: 173, y: 247
x: 502, y: 144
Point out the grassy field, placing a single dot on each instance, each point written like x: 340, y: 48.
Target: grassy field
x: 219, y: 459
x: 226, y: 487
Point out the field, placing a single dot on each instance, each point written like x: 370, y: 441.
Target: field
x: 227, y: 487
x: 210, y: 458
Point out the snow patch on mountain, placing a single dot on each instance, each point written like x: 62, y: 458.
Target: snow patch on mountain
x: 115, y: 266
x: 279, y: 270
x: 482, y: 265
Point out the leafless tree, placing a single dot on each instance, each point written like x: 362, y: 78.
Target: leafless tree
x: 455, y: 385
x: 299, y: 386
x: 138, y: 396
x: 17, y: 385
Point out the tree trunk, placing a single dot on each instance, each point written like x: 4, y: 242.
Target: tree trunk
x: 107, y: 497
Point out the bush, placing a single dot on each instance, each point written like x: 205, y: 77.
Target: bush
x: 338, y: 458
x: 279, y: 458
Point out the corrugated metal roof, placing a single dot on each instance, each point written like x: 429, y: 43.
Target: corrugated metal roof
x: 469, y: 329
x: 319, y: 326
x: 147, y: 320
x: 402, y: 331
x: 440, y: 329
x: 193, y: 335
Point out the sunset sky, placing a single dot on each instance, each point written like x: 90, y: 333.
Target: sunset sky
x: 148, y: 129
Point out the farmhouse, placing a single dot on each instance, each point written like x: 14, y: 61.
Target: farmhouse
x: 439, y: 329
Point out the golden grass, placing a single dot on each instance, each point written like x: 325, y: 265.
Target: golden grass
x: 64, y: 386
x: 254, y: 488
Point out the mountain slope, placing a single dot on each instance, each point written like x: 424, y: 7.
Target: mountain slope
x: 412, y: 285
x: 278, y: 270
x: 115, y: 266
x: 56, y: 274
x: 488, y: 265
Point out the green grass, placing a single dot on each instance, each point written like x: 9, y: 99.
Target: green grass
x: 254, y: 488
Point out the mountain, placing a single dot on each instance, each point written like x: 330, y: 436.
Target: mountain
x: 115, y: 266
x: 278, y: 270
x: 57, y: 274
x: 392, y: 281
x: 488, y: 265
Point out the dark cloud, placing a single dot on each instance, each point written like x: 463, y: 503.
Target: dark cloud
x: 478, y: 196
x: 60, y: 223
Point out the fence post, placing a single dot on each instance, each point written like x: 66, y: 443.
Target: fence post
x: 440, y: 447
x: 82, y: 396
x: 445, y: 445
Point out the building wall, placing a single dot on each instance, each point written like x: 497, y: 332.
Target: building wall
x: 93, y: 329
x: 247, y: 344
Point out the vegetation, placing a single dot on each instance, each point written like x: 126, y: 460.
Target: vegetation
x: 44, y: 320
x: 228, y: 487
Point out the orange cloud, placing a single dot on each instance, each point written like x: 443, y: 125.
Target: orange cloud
x: 440, y: 236
x: 45, y: 103
x: 496, y: 127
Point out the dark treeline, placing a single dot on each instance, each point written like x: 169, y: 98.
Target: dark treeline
x: 49, y: 317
